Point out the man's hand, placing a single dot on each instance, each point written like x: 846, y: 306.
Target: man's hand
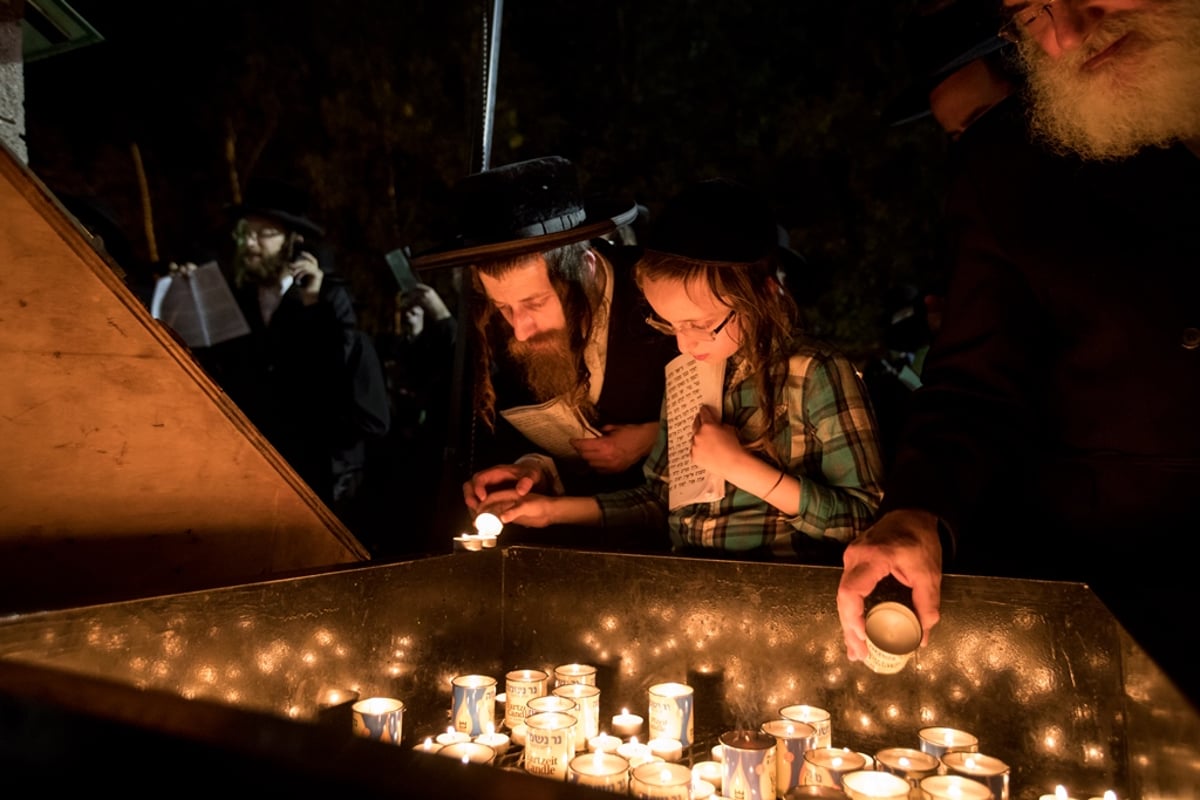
x: 714, y: 446
x: 307, y: 275
x: 515, y: 480
x: 619, y: 448
x: 903, y: 543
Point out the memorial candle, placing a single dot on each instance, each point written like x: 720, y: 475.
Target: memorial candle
x: 992, y: 772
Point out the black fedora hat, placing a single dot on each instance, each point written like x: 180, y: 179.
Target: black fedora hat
x: 279, y: 201
x: 940, y: 40
x: 527, y: 207
x: 719, y: 220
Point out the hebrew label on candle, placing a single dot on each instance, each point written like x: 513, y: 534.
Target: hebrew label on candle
x: 690, y: 385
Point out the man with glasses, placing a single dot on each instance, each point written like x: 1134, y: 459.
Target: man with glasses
x: 1055, y: 435
x: 568, y: 379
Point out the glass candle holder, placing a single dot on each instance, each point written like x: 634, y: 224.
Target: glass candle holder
x: 473, y: 703
x: 469, y: 752
x: 825, y: 766
x: 599, y: 770
x: 817, y: 717
x: 661, y: 780
x: 672, y: 707
x: 586, y: 698
x: 953, y: 787
x: 565, y: 674
x: 874, y: 785
x: 792, y: 740
x: 937, y: 741
x: 990, y: 771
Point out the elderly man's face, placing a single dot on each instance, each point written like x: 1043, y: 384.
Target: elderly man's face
x: 1110, y: 77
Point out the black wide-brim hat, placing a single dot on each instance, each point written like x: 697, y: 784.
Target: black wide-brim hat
x: 278, y: 201
x: 527, y: 207
x: 939, y: 43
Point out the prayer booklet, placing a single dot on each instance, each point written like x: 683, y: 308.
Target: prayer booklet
x: 551, y: 426
x: 199, y: 306
x: 690, y: 385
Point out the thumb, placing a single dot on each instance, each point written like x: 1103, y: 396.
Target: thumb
x: 707, y: 416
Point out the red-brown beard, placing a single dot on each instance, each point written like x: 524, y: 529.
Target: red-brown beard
x: 1147, y: 97
x: 547, y: 364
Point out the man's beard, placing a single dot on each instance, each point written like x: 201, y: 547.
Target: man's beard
x: 1147, y: 95
x: 262, y: 271
x: 547, y: 364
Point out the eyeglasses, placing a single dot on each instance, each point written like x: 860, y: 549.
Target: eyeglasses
x: 245, y: 233
x: 689, y: 328
x: 1026, y: 21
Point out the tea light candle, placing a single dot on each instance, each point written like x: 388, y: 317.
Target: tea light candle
x: 626, y: 725
x: 907, y: 763
x: 1060, y: 793
x: 826, y: 765
x: 487, y: 540
x: 954, y: 787
x: 718, y: 753
x: 661, y: 780
x: 488, y: 524
x: 469, y: 752
x: 452, y: 736
x: 939, y: 741
x: 819, y: 718
x: 1108, y: 795
x: 708, y: 771
x: 428, y: 746
x: 497, y: 741
x: 991, y: 772
x: 702, y: 790
x: 666, y: 749
x: 565, y: 674
x: 604, y: 743
x: 635, y: 752
x: 605, y: 771
x: 873, y: 785
x: 468, y: 541
x: 517, y: 734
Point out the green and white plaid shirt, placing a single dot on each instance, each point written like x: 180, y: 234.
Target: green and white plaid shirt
x: 829, y: 444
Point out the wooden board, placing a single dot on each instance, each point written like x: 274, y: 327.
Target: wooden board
x: 124, y: 470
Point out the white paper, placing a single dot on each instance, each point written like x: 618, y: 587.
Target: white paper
x: 199, y: 306
x: 551, y: 426
x: 690, y: 385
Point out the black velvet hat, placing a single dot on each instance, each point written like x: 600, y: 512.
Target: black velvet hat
x: 527, y: 207
x: 716, y: 220
x: 940, y: 41
x: 286, y: 204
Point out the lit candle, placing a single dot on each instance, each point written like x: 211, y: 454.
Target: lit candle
x: 702, y: 790
x: 497, y: 741
x: 488, y: 524
x: 428, y: 746
x: 825, y: 766
x: 910, y: 764
x: 468, y: 541
x: 1108, y: 795
x: 992, y: 772
x: 518, y: 734
x: 792, y: 740
x: 661, y: 780
x: 452, y: 736
x: 954, y: 787
x: 626, y: 725
x: 636, y: 753
x: 708, y: 771
x: 873, y: 785
x: 817, y: 717
x: 469, y: 752
x: 600, y: 770
x: 604, y: 743
x: 938, y: 741
x: 565, y: 674
x: 487, y: 540
x: 1060, y: 793
x: 666, y: 749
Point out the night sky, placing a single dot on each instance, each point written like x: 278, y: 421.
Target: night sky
x: 376, y: 108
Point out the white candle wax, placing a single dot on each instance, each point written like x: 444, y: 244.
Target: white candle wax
x: 636, y: 753
x: 954, y: 787
x: 702, y: 790
x: 518, y: 734
x: 626, y: 725
x: 604, y: 743
x: 497, y: 741
x: 666, y: 749
x: 428, y: 746
x: 708, y: 771
x: 452, y: 736
x: 718, y: 753
x: 872, y: 785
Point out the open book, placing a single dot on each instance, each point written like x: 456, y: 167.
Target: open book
x: 690, y: 384
x: 199, y: 306
x: 551, y: 426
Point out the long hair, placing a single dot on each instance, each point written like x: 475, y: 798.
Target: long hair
x: 580, y: 296
x: 767, y: 318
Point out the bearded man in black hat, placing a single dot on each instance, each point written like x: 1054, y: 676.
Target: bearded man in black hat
x: 569, y: 379
x: 306, y: 376
x: 1055, y: 434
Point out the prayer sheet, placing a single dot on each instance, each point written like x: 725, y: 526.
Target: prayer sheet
x: 199, y: 306
x: 690, y: 385
x: 551, y: 426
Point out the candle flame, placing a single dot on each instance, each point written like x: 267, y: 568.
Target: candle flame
x: 904, y: 762
x: 837, y: 762
x: 429, y: 741
x: 1109, y: 794
x: 491, y: 728
x: 1060, y: 792
x: 466, y: 759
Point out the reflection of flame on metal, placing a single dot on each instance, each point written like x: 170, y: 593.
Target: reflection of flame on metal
x: 488, y: 524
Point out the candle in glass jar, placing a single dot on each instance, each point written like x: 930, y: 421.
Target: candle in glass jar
x: 600, y: 770
x: 990, y: 771
x: 874, y: 785
x: 954, y: 787
x: 702, y: 790
x: 1060, y: 793
x: 910, y: 764
x: 819, y: 718
x: 938, y: 741
x: 626, y: 725
x: 666, y: 749
x: 661, y: 780
x: 825, y: 766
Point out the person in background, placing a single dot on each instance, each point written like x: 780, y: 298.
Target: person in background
x: 1054, y: 435
x: 793, y: 441
x: 557, y: 334
x: 306, y: 375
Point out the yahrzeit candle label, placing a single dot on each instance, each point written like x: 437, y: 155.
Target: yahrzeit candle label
x: 671, y: 712
x: 748, y: 765
x: 473, y: 706
x: 549, y: 743
x: 521, y: 686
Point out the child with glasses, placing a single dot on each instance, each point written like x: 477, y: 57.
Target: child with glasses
x: 793, y: 443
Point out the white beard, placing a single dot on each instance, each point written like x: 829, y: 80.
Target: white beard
x: 1146, y: 95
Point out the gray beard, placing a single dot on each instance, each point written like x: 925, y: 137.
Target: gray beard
x: 1146, y: 97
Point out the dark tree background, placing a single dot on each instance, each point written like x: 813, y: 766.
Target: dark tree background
x: 375, y: 106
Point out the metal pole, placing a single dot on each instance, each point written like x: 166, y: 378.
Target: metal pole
x: 489, y: 97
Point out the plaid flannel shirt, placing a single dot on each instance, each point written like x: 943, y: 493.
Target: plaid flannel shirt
x: 829, y: 443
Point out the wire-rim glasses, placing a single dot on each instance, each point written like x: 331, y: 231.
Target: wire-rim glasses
x: 670, y: 330
x: 1024, y: 19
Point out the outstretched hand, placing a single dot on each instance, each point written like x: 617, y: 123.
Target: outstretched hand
x: 500, y: 485
x: 903, y: 543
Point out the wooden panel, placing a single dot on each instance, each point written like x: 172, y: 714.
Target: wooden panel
x: 124, y: 470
